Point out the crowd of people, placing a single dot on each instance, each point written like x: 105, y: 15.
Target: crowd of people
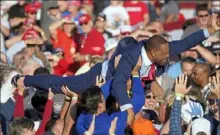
x: 84, y: 67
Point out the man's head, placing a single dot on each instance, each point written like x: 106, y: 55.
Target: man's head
x: 100, y: 21
x: 74, y: 5
x: 21, y: 2
x: 7, y: 88
x: 63, y: 5
x: 70, y: 27
x: 93, y: 101
x: 31, y: 11
x: 201, y: 73
x: 30, y: 66
x: 202, y: 15
x: 157, y: 49
x: 86, y: 23
x: 187, y: 65
x: 21, y: 126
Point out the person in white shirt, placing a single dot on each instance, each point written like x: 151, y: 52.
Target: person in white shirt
x: 116, y: 16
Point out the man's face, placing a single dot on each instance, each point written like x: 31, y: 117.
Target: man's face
x: 102, y: 105
x: 87, y: 26
x: 68, y: 27
x: 32, y: 16
x: 161, y: 54
x: 203, y: 18
x: 197, y: 74
x: 187, y: 68
x: 63, y: 5
x: 21, y: 2
x: 100, y: 22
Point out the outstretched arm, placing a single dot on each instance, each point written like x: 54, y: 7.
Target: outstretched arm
x: 177, y: 47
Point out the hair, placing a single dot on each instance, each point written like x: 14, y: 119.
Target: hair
x: 17, y: 126
x: 155, y: 42
x: 201, y: 7
x: 41, y: 71
x: 188, y: 60
x: 39, y: 100
x: 90, y: 99
x: 5, y: 72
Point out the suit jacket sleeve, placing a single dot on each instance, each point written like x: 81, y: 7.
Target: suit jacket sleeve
x: 138, y: 99
x: 77, y: 84
x: 177, y: 47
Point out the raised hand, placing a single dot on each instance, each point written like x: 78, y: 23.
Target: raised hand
x: 180, y: 86
x: 137, y: 68
x: 68, y: 92
x: 216, y: 82
x: 100, y: 81
x: 117, y: 59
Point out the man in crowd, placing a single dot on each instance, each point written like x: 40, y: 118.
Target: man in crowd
x: 156, y: 50
x: 92, y: 41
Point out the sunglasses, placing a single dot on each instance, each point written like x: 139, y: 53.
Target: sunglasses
x: 100, y: 19
x: 213, y: 101
x: 81, y: 24
x: 150, y: 97
x: 201, y: 16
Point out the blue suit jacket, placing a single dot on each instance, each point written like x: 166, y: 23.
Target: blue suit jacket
x: 130, y: 50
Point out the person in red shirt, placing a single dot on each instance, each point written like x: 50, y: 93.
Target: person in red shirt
x: 92, y: 41
x: 62, y: 33
x: 137, y: 11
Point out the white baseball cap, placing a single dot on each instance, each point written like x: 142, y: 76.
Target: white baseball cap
x: 110, y: 44
x: 201, y: 125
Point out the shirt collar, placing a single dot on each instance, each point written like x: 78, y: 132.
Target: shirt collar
x: 145, y: 58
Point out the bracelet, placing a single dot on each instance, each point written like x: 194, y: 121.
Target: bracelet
x: 179, y: 95
x: 74, y: 98
x: 68, y: 100
x: 135, y: 76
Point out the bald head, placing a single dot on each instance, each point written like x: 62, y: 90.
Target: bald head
x: 205, y: 68
x: 201, y: 73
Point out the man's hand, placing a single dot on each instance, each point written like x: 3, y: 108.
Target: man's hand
x: 180, y: 86
x: 20, y: 82
x: 216, y: 82
x: 68, y: 92
x: 117, y: 59
x: 214, y: 24
x: 138, y: 33
x: 50, y: 94
x: 100, y: 81
x: 131, y: 116
x: 79, y: 57
x: 135, y: 71
x: 113, y: 126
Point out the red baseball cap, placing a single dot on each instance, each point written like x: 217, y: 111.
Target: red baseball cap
x: 29, y: 34
x: 30, y: 8
x: 74, y: 3
x: 90, y: 2
x: 85, y: 18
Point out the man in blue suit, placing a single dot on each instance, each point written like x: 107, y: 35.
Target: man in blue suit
x: 156, y: 50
